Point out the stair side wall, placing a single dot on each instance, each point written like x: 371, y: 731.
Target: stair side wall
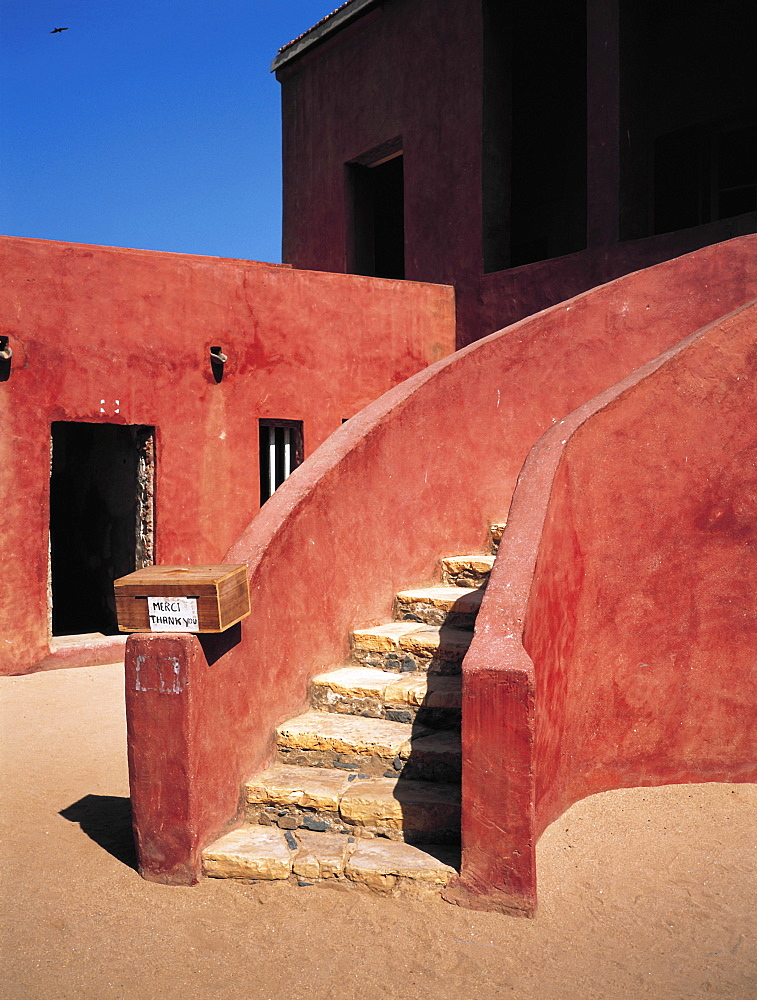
x: 630, y: 599
x: 657, y: 494
x: 421, y: 472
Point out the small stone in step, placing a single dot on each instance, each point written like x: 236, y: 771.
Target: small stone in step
x: 392, y: 661
x: 291, y: 842
x: 410, y: 617
x: 408, y: 665
x: 288, y: 823
x: 390, y: 774
x: 352, y: 777
x: 346, y: 767
x: 265, y: 820
x: 363, y: 776
x: 302, y: 883
x: 398, y: 715
x: 398, y: 763
x: 281, y: 812
x: 350, y: 840
x: 316, y: 825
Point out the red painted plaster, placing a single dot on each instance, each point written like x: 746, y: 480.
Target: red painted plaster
x: 417, y: 475
x: 90, y: 326
x: 620, y: 609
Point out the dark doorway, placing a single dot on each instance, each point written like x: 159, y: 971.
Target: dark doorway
x: 101, y: 519
x: 378, y: 208
x: 534, y: 131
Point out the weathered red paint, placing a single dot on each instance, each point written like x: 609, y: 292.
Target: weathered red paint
x: 419, y: 474
x: 180, y: 680
x: 123, y: 336
x: 619, y: 616
x: 414, y: 70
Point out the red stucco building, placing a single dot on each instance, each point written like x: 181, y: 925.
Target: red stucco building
x: 126, y: 443
x: 522, y: 152
x: 583, y: 176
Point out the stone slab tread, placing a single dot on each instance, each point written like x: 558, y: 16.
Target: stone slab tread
x: 347, y: 734
x: 477, y: 561
x: 322, y: 788
x: 433, y: 691
x: 254, y: 852
x: 463, y: 599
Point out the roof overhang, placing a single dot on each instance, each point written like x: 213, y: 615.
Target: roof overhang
x: 323, y: 29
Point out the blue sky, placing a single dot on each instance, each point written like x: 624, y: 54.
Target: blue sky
x: 149, y: 123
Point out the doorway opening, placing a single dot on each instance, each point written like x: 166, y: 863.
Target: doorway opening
x: 102, y: 480
x: 378, y: 217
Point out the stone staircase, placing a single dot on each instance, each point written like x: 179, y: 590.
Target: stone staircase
x: 365, y: 787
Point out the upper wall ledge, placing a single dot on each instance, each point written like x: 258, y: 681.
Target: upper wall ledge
x: 330, y: 24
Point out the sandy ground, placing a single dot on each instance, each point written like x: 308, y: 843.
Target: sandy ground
x: 644, y: 893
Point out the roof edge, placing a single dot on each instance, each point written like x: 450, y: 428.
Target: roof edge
x: 325, y: 27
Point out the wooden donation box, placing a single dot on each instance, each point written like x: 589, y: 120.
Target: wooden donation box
x: 182, y: 598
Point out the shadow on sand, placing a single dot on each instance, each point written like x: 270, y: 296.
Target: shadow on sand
x: 106, y: 819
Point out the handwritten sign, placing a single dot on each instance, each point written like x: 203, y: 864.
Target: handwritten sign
x: 173, y: 614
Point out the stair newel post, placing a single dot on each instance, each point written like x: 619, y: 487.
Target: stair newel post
x: 498, y: 870
x: 174, y: 762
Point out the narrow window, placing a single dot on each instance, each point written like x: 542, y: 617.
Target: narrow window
x: 101, y: 519
x: 280, y: 453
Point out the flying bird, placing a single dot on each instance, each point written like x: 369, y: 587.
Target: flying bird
x: 56, y: 30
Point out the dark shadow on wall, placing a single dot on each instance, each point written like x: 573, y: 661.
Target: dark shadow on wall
x: 106, y: 819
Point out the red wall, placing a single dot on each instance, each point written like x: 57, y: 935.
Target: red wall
x: 417, y: 475
x: 618, y: 628
x: 88, y: 324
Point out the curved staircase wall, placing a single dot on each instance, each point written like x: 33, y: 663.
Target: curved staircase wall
x: 416, y: 475
x: 656, y: 495
x: 619, y: 626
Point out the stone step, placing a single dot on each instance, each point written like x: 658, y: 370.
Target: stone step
x: 433, y: 700
x: 408, y: 646
x: 495, y: 533
x: 379, y: 865
x: 456, y: 606
x: 336, y: 801
x: 466, y: 571
x: 376, y: 747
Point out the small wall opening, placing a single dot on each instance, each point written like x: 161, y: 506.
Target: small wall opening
x: 377, y: 218
x: 281, y: 452
x: 101, y: 519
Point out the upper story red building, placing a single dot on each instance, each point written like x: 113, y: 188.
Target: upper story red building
x: 521, y: 152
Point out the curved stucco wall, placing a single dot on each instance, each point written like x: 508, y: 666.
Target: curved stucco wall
x: 658, y: 494
x: 416, y: 475
x: 615, y: 644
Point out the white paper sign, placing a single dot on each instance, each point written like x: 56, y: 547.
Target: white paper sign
x: 173, y: 614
